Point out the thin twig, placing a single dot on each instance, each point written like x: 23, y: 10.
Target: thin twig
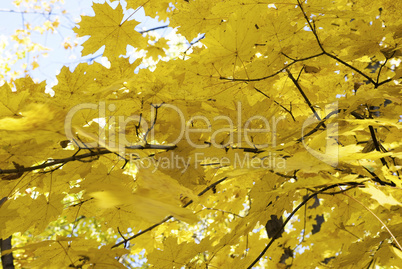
x: 377, y: 144
x: 381, y: 67
x: 153, y: 122
x: 27, y: 12
x: 284, y: 108
x: 313, y: 30
x: 135, y: 11
x: 321, y: 123
x: 304, y: 96
x: 154, y: 29
x: 369, y: 210
x: 213, y: 185
x: 273, y: 74
x: 194, y: 42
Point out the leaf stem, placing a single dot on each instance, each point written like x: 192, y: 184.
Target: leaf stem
x: 369, y: 210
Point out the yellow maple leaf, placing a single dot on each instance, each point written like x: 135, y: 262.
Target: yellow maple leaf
x: 173, y: 255
x: 108, y: 28
x: 154, y: 51
x: 103, y: 257
x: 233, y: 44
x: 382, y: 198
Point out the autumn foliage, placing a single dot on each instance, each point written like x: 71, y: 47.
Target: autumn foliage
x: 272, y: 140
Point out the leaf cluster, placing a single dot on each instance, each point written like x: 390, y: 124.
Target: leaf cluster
x: 321, y: 188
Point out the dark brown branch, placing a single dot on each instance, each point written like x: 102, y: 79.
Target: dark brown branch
x: 276, y: 73
x: 357, y: 115
x: 213, y: 185
x: 378, y: 180
x: 288, y: 219
x: 258, y: 79
x: 81, y: 202
x: 97, y: 152
x: 194, y: 42
x: 7, y: 261
x: 313, y: 29
x: 352, y: 67
x: 153, y: 122
x: 377, y: 144
x: 301, y: 70
x: 303, y: 59
x: 153, y: 29
x: 150, y: 228
x: 284, y: 108
x: 124, y: 239
x: 321, y: 123
x: 304, y: 95
x: 382, y: 66
x: 341, y: 191
x: 383, y: 82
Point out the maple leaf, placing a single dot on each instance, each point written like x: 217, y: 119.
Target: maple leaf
x: 233, y: 44
x: 158, y: 49
x: 10, y: 101
x: 102, y: 258
x: 110, y: 30
x: 172, y: 254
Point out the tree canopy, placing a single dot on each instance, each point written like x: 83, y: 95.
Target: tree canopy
x: 270, y: 139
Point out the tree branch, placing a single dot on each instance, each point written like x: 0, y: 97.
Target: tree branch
x: 377, y: 144
x: 313, y: 29
x: 304, y: 96
x: 378, y: 180
x: 194, y: 42
x: 27, y: 12
x: 153, y: 29
x: 288, y: 219
x: 321, y: 123
x: 276, y: 73
x: 169, y: 217
x: 284, y: 108
x: 7, y: 261
x: 97, y: 152
x: 382, y: 66
x: 154, y: 121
